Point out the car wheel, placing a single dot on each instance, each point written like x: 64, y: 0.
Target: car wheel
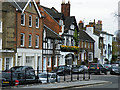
x: 106, y: 73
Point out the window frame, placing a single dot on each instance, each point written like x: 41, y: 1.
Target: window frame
x: 30, y: 40
x: 37, y: 38
x: 37, y: 26
x: 0, y: 26
x: 29, y: 21
x: 23, y: 39
x: 23, y: 20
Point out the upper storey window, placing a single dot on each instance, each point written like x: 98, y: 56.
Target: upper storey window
x: 72, y: 26
x: 22, y: 19
x: 37, y: 22
x: 30, y: 20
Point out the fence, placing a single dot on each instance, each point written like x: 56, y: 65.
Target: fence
x: 33, y: 76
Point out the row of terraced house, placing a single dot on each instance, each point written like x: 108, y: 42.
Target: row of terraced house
x: 41, y: 37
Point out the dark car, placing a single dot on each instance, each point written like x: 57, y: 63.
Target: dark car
x: 107, y: 66
x: 62, y: 70
x: 24, y: 74
x: 97, y: 68
x: 115, y: 70
x: 80, y: 69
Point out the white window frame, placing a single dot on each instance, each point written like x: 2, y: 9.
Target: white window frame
x: 23, y: 20
x: 23, y: 40
x: 37, y: 25
x: 49, y: 44
x: 72, y: 27
x: 49, y: 60
x: 29, y: 60
x: 10, y: 64
x: 30, y: 21
x: 30, y: 41
x: 85, y: 44
x: 0, y: 26
x: 37, y: 38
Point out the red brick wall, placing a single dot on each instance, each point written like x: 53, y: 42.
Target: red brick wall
x: 50, y: 22
x: 29, y: 30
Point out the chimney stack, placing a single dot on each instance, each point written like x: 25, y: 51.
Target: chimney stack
x: 37, y: 1
x: 65, y: 8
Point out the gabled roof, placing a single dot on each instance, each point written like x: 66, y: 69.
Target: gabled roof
x: 51, y: 34
x: 53, y: 12
x: 84, y: 36
x: 103, y: 32
x: 22, y: 5
x: 68, y: 21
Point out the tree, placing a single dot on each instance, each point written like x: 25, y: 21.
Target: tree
x: 76, y: 37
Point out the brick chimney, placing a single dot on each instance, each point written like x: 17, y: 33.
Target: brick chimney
x: 81, y: 25
x: 37, y: 1
x: 65, y: 8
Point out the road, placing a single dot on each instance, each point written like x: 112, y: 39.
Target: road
x: 114, y: 82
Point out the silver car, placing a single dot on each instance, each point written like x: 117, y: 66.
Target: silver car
x: 51, y: 77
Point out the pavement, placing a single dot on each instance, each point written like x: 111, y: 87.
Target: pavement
x: 64, y: 85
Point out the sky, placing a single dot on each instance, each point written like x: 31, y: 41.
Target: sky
x: 88, y: 10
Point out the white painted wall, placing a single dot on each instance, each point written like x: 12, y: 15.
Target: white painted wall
x: 29, y: 52
x: 89, y: 31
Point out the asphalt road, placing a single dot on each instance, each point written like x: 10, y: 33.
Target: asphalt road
x: 114, y: 82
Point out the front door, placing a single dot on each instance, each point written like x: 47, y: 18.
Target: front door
x: 44, y: 64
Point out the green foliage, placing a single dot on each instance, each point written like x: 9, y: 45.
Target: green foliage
x: 76, y: 37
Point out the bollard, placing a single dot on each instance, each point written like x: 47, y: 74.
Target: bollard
x: 47, y: 77
x: 84, y: 75
x: 71, y: 75
x: 56, y: 78
x: 64, y: 75
x: 89, y: 75
x: 16, y: 82
x: 78, y: 76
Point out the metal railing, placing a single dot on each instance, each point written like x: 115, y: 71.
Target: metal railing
x: 32, y: 76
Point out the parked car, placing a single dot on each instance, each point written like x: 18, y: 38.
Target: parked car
x: 80, y: 69
x: 115, y: 70
x: 52, y: 77
x: 24, y: 74
x: 97, y: 68
x: 62, y: 70
x: 107, y: 66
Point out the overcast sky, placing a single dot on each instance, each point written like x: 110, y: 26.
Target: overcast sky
x: 88, y: 10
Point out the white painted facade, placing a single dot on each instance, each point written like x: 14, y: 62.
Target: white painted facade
x: 107, y: 51
x: 89, y: 31
x: 29, y: 57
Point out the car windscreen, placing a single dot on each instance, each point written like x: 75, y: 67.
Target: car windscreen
x: 115, y: 67
x: 16, y: 68
x: 93, y: 65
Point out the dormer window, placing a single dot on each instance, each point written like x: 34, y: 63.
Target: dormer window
x: 72, y: 26
x: 61, y: 22
x: 22, y: 19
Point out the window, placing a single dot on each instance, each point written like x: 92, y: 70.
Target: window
x: 37, y: 41
x: 8, y: 63
x: 30, y: 40
x: 30, y: 20
x: 88, y: 45
x: 67, y: 42
x: 91, y: 46
x: 0, y: 26
x: 22, y: 39
x: 22, y: 19
x: 72, y: 26
x: 49, y: 44
x: 29, y: 60
x: 49, y: 61
x: 37, y: 22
